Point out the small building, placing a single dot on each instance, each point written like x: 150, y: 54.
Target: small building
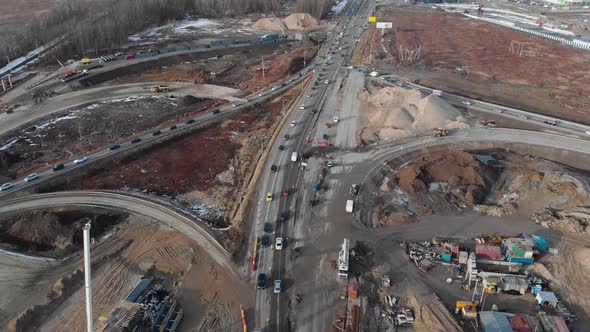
x: 492, y: 321
x: 463, y: 256
x: 520, y: 323
x: 488, y: 252
x: 513, y: 283
x: 544, y: 298
x: 518, y: 250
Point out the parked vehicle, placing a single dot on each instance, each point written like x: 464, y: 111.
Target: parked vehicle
x: 32, y: 177
x: 58, y: 167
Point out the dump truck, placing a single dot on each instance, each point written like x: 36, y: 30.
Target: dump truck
x: 439, y: 132
x: 159, y: 88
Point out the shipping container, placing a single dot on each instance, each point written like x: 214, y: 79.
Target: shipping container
x: 446, y: 257
x: 488, y: 252
x: 522, y: 260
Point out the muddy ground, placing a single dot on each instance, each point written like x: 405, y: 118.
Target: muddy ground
x: 550, y: 75
x: 87, y: 128
x: 492, y: 182
x: 242, y: 70
x: 48, y: 294
x: 54, y: 233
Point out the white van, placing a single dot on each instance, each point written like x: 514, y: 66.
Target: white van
x: 294, y: 156
x: 349, y: 206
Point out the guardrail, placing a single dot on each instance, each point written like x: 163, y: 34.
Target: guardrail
x: 575, y: 42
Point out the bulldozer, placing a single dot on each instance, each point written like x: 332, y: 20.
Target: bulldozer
x: 439, y: 132
x: 160, y: 88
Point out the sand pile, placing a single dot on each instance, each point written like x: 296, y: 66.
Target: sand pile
x: 296, y: 21
x: 397, y: 113
x: 270, y: 24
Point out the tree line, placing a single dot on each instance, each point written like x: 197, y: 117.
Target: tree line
x: 100, y: 27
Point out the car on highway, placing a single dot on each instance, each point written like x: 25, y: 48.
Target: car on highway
x: 58, y: 167
x: 136, y: 140
x: 551, y: 123
x: 172, y: 127
x: 286, y: 137
x: 6, y: 186
x: 265, y: 240
x: 284, y: 216
x: 189, y: 121
x: 114, y: 147
x: 80, y: 160
x: 261, y: 282
x: 156, y: 133
x: 293, y: 123
x: 286, y: 192
x: 330, y: 163
x: 466, y: 103
x: 277, y: 289
x: 281, y: 147
x: 327, y: 81
x: 302, y: 106
x: 269, y: 197
x: 262, y: 94
x: 274, y: 168
x: 31, y: 177
x: 267, y: 227
x: 279, y: 243
x: 235, y: 104
x: 216, y: 111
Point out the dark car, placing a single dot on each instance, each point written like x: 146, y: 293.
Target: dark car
x: 114, y: 147
x: 274, y: 168
x: 189, y: 121
x: 173, y: 127
x: 58, y: 167
x: 267, y: 228
x: 281, y: 147
x: 216, y: 111
x: 261, y: 283
x: 284, y: 216
x: 136, y: 140
x: 286, y: 137
x: 265, y: 240
x: 156, y: 133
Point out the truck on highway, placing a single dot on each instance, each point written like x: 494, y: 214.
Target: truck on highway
x: 437, y: 93
x: 294, y: 156
x: 349, y: 206
x: 160, y: 88
x: 439, y: 132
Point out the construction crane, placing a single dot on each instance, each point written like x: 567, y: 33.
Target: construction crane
x: 67, y: 72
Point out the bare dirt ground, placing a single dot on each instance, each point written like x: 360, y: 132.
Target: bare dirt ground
x: 454, y: 56
x: 118, y: 263
x: 240, y: 70
x: 493, y: 183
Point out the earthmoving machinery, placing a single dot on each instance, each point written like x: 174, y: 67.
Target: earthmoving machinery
x: 160, y: 88
x: 439, y: 132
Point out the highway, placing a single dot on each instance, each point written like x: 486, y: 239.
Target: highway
x: 119, y: 201
x: 272, y: 310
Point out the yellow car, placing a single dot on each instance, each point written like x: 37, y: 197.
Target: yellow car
x: 268, y: 197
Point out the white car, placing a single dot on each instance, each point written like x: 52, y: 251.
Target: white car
x: 292, y: 123
x: 327, y: 82
x: 279, y: 243
x: 336, y: 119
x: 277, y: 289
x: 466, y: 103
x: 302, y: 106
x: 80, y: 160
x: 32, y: 177
x: 6, y: 186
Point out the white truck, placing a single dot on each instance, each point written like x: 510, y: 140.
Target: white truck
x: 437, y: 93
x: 294, y: 156
x: 349, y: 206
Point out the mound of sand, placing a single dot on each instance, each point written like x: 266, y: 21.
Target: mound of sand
x: 296, y: 21
x: 397, y: 113
x: 270, y: 24
x: 300, y: 21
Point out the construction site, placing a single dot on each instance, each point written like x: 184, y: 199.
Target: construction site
x: 366, y: 165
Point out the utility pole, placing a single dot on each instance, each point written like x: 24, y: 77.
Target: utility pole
x: 263, y: 67
x: 87, y: 277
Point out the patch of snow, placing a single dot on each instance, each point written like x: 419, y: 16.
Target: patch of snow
x: 54, y: 121
x: 10, y: 143
x: 186, y: 25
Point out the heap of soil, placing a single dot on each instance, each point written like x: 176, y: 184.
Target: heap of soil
x: 52, y: 233
x: 396, y: 113
x: 189, y: 100
x: 296, y: 21
x: 470, y: 179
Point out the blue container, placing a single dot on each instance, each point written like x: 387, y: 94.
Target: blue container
x: 540, y: 242
x: 138, y: 290
x: 522, y: 260
x: 446, y: 257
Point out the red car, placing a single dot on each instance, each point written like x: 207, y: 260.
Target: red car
x: 286, y: 192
